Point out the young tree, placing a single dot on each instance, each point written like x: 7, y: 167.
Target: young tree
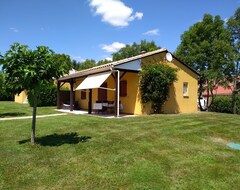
x: 206, y: 47
x: 134, y: 49
x: 155, y: 81
x: 28, y: 69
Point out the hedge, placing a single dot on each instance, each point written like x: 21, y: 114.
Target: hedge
x: 223, y: 104
x: 47, y: 96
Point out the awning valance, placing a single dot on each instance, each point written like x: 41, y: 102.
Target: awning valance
x: 93, y: 81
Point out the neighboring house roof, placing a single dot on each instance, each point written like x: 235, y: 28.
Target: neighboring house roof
x: 220, y: 90
x: 116, y: 65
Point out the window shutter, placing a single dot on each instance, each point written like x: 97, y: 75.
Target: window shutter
x: 102, y: 93
x: 83, y: 94
x: 123, y: 88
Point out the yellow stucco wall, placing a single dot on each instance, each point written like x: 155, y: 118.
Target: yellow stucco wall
x: 176, y: 103
x: 21, y: 98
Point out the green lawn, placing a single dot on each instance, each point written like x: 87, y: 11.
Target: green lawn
x: 184, y: 151
x: 11, y: 109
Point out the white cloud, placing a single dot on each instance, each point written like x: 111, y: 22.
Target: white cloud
x: 114, y: 12
x: 14, y: 29
x: 153, y: 32
x: 114, y: 47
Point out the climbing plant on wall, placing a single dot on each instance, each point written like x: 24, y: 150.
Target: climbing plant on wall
x: 155, y: 81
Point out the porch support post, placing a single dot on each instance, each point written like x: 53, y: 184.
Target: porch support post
x: 90, y: 101
x: 117, y: 93
x: 58, y: 96
x: 71, y: 95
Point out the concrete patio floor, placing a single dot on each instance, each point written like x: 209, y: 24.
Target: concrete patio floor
x: 103, y: 115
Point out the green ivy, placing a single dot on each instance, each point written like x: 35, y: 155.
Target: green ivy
x: 155, y: 81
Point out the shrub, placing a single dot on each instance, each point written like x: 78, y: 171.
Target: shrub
x: 155, y: 80
x: 47, y: 95
x: 223, y: 104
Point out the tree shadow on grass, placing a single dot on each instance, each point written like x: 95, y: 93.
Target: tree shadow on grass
x: 59, y: 139
x: 11, y: 114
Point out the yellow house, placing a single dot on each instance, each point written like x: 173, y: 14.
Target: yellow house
x: 118, y: 82
x: 21, y: 98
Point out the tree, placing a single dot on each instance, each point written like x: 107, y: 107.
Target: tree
x: 233, y: 25
x: 102, y: 62
x: 155, y: 81
x: 206, y: 47
x: 134, y: 49
x: 27, y: 69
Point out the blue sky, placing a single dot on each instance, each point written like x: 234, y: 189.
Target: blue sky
x: 94, y: 29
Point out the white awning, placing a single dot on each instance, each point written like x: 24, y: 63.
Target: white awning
x: 93, y: 81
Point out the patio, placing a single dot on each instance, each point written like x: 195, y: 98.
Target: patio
x: 96, y: 114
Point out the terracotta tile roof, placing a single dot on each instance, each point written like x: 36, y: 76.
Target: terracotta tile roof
x: 220, y: 90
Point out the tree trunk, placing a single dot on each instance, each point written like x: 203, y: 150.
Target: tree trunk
x: 234, y: 103
x: 34, y: 117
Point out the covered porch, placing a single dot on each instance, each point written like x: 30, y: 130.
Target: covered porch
x: 105, y: 89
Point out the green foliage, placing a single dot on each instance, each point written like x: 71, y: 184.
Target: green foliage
x: 4, y: 94
x: 223, y: 104
x: 47, y: 95
x: 233, y: 25
x: 206, y: 47
x: 134, y: 49
x: 27, y: 69
x: 102, y: 62
x: 155, y: 81
x: 88, y: 63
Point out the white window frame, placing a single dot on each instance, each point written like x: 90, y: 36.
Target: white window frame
x: 185, y: 89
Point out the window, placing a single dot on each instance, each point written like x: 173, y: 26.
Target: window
x: 83, y: 94
x: 185, y: 89
x: 102, y: 93
x: 123, y: 88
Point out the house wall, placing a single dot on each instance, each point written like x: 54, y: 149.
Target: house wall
x: 176, y: 103
x: 21, y: 98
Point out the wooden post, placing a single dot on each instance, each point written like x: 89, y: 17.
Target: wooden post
x: 71, y: 95
x: 90, y: 101
x: 58, y: 95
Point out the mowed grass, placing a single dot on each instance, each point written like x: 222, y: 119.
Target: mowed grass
x: 11, y: 109
x: 184, y: 151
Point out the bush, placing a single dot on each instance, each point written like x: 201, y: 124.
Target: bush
x: 223, y: 104
x: 5, y: 94
x: 155, y: 80
x: 47, y: 96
